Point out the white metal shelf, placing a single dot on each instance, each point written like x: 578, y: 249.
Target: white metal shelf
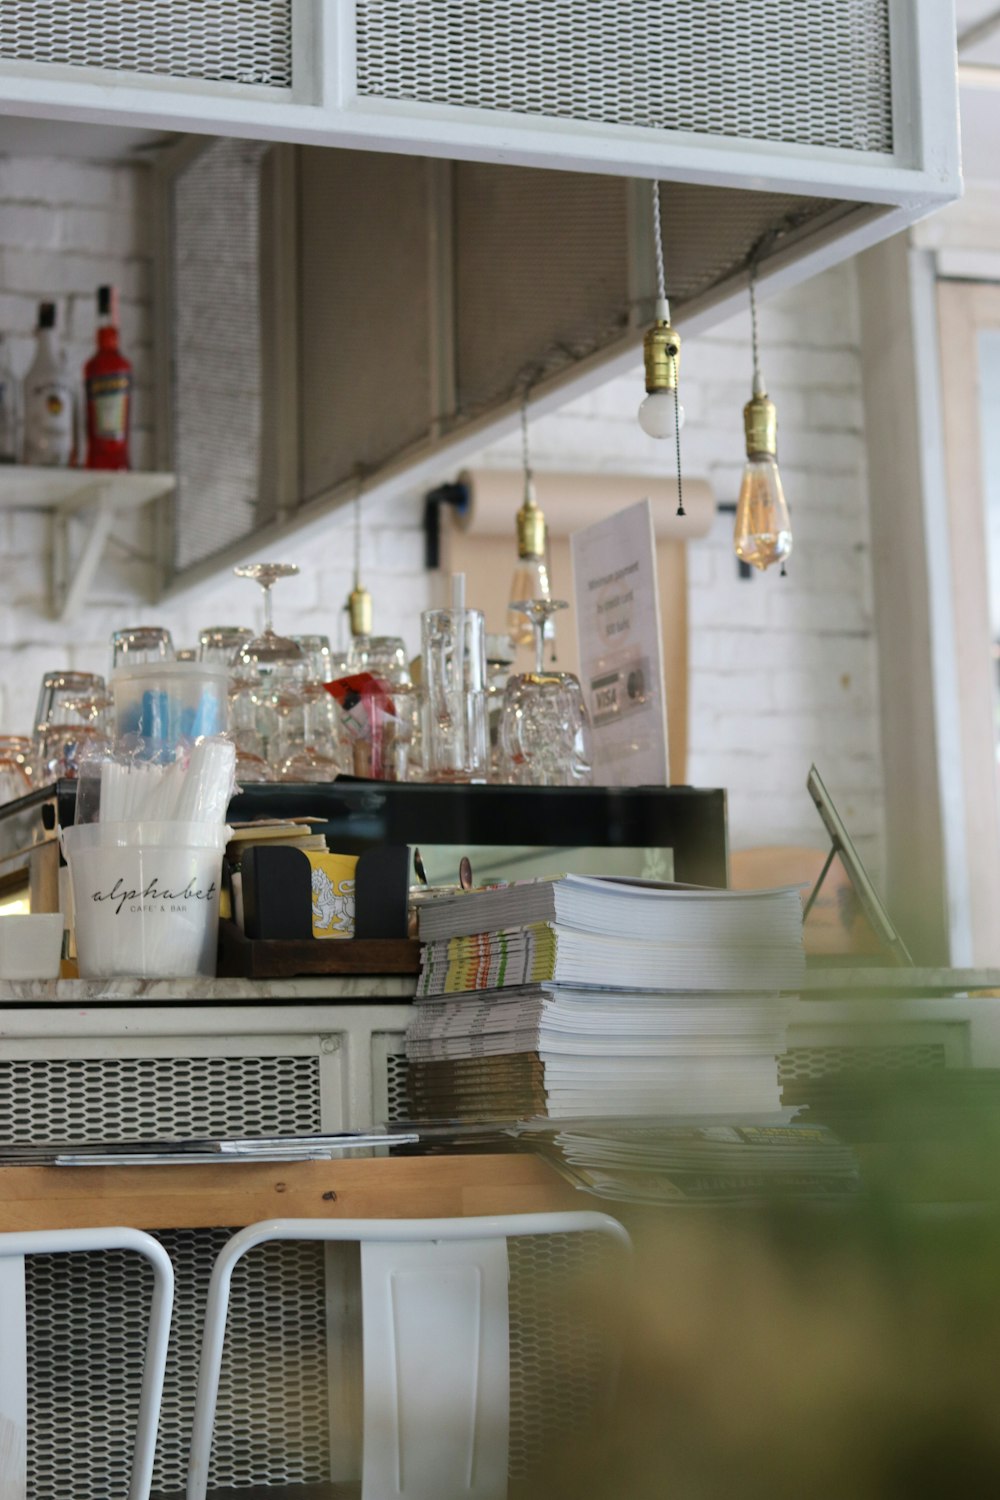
x: 66, y: 493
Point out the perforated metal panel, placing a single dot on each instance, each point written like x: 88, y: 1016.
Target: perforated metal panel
x: 541, y: 274
x: 395, y: 1083
x: 790, y: 71
x: 821, y: 1061
x: 217, y: 347
x: 131, y: 1098
x: 560, y: 1362
x: 231, y: 41
x: 364, y: 320
x: 85, y: 1312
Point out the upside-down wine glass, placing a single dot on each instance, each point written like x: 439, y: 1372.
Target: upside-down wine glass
x: 544, y: 724
x: 268, y: 649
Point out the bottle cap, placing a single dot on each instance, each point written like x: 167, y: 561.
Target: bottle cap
x: 46, y: 315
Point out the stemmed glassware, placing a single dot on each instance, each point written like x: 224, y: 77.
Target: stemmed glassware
x: 269, y: 664
x: 310, y: 749
x: 269, y: 648
x: 544, y: 724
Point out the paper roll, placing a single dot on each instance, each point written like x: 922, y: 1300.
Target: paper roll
x: 572, y: 501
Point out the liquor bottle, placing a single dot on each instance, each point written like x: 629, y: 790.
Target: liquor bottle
x: 108, y: 380
x: 10, y: 408
x: 49, y: 426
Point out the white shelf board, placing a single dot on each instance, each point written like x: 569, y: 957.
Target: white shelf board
x: 26, y: 487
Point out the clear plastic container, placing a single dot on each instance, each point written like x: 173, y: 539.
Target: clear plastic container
x: 166, y: 703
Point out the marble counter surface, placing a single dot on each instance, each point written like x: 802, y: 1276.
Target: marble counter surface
x: 346, y: 989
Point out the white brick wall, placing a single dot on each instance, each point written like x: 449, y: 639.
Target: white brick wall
x: 782, y: 670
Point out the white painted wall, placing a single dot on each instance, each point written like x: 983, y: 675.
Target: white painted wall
x: 782, y: 670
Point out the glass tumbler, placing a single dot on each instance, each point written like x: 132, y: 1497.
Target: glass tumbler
x: 454, y: 738
x: 72, y: 714
x: 384, y: 656
x: 141, y: 646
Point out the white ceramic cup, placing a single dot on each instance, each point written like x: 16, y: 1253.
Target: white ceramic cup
x: 30, y: 945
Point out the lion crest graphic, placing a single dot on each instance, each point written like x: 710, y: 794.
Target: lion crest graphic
x: 332, y: 906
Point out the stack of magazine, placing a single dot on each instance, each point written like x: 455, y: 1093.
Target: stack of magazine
x: 588, y: 996
x: 703, y: 1162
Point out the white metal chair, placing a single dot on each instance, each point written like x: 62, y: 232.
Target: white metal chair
x: 15, y: 1246
x: 435, y: 1346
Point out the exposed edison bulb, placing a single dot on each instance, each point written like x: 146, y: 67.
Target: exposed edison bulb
x: 763, y: 530
x: 661, y: 414
x: 531, y: 576
x: 530, y: 581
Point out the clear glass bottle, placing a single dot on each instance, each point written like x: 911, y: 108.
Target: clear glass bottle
x: 49, y: 406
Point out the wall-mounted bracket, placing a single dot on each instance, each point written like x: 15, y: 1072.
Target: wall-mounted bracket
x: 71, y: 493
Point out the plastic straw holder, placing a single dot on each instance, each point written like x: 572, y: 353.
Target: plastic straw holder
x: 146, y: 898
x: 168, y: 702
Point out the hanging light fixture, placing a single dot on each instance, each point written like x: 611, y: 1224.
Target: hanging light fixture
x: 661, y: 414
x: 531, y: 574
x: 763, y: 531
x: 359, y: 600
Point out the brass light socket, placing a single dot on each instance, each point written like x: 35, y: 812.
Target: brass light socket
x: 359, y: 606
x: 760, y: 423
x: 530, y: 529
x: 661, y: 352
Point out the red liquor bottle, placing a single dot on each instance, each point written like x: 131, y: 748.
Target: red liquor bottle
x: 108, y: 380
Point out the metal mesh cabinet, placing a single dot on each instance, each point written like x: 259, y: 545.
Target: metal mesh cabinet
x: 70, y: 1075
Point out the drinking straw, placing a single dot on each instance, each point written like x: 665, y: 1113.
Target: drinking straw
x: 205, y: 784
x: 458, y: 628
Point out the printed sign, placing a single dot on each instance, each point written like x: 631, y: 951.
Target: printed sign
x: 621, y: 656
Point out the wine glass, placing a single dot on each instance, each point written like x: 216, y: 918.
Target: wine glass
x: 268, y: 649
x: 314, y: 751
x: 544, y: 724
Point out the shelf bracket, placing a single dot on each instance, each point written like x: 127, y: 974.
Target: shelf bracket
x: 71, y: 580
x: 98, y: 499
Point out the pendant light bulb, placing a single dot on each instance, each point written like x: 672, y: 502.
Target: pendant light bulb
x: 762, y: 534
x: 661, y: 414
x: 763, y: 531
x: 531, y: 575
x: 359, y: 600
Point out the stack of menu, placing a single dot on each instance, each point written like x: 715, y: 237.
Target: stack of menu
x: 587, y: 996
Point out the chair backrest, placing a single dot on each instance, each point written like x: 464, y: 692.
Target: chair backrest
x: 435, y: 1332
x: 13, y: 1248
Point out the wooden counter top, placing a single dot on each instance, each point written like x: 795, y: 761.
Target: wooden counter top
x: 238, y: 1193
